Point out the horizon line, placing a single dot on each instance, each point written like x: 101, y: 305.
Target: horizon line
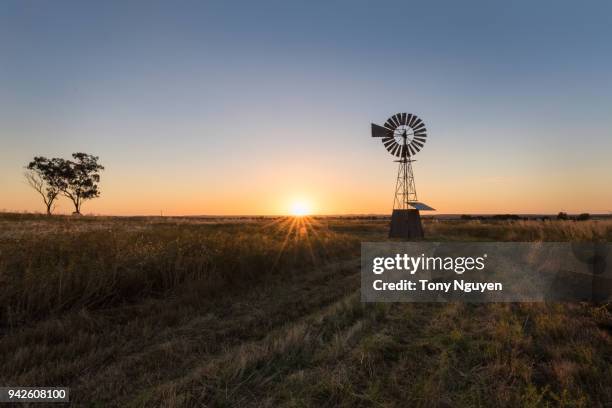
x: 3, y: 212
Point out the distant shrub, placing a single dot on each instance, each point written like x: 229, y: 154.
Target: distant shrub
x: 562, y: 216
x: 583, y: 217
x: 506, y: 217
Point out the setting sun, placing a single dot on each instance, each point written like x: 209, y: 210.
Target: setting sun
x: 300, y: 208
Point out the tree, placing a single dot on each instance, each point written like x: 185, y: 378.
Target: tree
x: 81, y: 177
x: 562, y: 216
x: 45, y: 177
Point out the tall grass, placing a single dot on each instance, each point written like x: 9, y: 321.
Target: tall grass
x: 54, y: 264
x: 46, y: 273
x: 526, y: 231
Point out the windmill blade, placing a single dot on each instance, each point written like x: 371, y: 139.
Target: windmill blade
x: 419, y: 127
x: 398, y: 119
x: 408, y: 119
x: 386, y: 140
x: 422, y: 132
x: 417, y: 144
x: 393, y: 121
x: 417, y: 124
x: 413, y: 121
x: 389, y: 125
x: 389, y: 145
x: 405, y: 152
x: 399, y: 151
x: 396, y: 148
x: 379, y: 131
x: 421, y: 139
x: 403, y: 118
x: 413, y: 151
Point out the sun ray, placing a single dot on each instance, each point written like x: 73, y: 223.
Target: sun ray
x: 291, y: 223
x: 310, y: 224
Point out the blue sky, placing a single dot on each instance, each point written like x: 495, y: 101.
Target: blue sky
x: 241, y: 107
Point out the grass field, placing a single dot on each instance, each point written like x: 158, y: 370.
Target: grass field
x: 266, y: 312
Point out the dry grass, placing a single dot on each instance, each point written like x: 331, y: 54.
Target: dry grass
x: 179, y: 312
x: 71, y: 264
x: 526, y: 231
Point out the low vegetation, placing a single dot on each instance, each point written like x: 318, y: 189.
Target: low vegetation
x: 266, y: 312
x: 78, y: 264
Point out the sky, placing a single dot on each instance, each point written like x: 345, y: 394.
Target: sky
x: 234, y: 108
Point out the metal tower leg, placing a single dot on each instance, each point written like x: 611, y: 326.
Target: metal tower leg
x: 405, y: 190
x: 405, y: 220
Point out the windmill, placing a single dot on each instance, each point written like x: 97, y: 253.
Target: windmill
x: 403, y: 135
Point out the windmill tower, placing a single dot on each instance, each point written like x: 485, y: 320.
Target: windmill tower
x: 403, y: 135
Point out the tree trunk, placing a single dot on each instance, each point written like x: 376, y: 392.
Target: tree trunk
x: 49, y: 205
x: 77, y: 207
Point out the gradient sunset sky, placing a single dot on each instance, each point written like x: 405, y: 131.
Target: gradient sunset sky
x: 246, y: 107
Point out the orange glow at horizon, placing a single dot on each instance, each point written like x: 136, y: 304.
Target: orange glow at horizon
x: 323, y: 188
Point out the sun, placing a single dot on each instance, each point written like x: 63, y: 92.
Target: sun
x: 300, y: 208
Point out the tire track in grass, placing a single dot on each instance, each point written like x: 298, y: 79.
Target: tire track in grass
x: 356, y: 371
x: 175, y: 351
x: 318, y: 361
x: 239, y: 375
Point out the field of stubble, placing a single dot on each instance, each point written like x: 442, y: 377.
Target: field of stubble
x: 266, y: 312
